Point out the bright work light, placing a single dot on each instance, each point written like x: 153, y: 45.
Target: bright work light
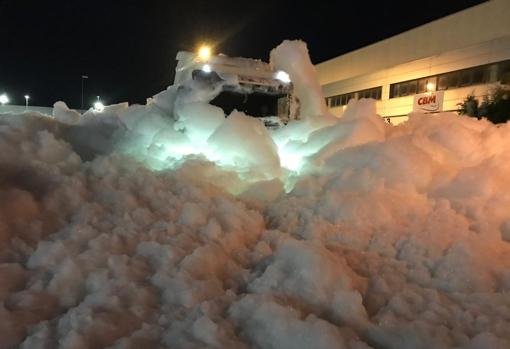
x: 204, y: 53
x: 206, y: 68
x: 282, y: 76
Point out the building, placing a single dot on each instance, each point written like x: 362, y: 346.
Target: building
x: 430, y: 68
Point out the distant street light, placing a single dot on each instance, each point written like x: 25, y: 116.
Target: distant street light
x: 83, y: 77
x: 27, y: 97
x: 4, y: 99
x: 98, y: 106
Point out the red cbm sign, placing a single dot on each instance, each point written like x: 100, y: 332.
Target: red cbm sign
x: 428, y: 102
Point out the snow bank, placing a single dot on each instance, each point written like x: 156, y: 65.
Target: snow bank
x: 121, y: 229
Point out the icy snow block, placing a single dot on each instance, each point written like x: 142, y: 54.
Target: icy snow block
x: 149, y: 124
x: 109, y: 115
x: 358, y: 109
x: 197, y: 91
x: 62, y: 113
x: 199, y: 120
x: 244, y: 143
x: 165, y: 100
x: 360, y: 127
x: 292, y: 57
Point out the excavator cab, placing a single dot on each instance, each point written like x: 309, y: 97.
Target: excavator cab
x: 241, y: 84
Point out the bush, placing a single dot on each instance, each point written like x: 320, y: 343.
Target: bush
x: 495, y: 106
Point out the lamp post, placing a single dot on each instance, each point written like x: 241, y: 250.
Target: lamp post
x: 83, y: 77
x: 27, y: 97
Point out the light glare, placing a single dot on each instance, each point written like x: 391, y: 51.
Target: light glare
x: 4, y: 99
x: 204, y: 53
x: 282, y: 76
x: 430, y: 86
x: 99, y: 107
x: 206, y: 68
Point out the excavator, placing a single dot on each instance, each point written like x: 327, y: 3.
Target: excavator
x: 243, y: 84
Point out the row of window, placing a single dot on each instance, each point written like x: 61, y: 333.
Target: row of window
x: 483, y: 74
x: 343, y: 99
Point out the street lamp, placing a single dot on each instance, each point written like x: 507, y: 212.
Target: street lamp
x: 83, y: 77
x: 98, y: 106
x: 27, y: 97
x: 4, y: 99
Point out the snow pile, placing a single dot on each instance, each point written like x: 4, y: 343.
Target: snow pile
x: 121, y: 229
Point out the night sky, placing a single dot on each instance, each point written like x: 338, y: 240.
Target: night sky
x: 128, y: 48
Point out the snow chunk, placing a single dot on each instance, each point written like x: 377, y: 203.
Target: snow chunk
x: 244, y: 143
x: 292, y: 57
x: 62, y: 113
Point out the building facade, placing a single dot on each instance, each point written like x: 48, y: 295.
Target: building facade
x: 430, y: 68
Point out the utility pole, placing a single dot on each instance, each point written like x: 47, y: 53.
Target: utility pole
x: 83, y: 77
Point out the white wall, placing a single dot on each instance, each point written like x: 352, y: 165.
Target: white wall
x: 484, y: 53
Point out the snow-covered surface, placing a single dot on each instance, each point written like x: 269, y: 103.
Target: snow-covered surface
x: 138, y: 228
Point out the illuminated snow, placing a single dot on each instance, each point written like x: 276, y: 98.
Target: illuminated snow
x: 119, y: 229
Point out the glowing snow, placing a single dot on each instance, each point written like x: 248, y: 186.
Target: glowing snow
x: 389, y: 237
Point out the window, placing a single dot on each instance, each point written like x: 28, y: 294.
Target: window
x: 413, y: 87
x: 427, y: 84
x: 461, y: 78
x: 465, y: 78
x: 376, y: 93
x: 406, y: 88
x: 339, y: 100
x: 480, y: 75
x: 394, y: 90
x: 442, y: 82
x: 471, y: 76
x: 343, y: 99
x: 504, y: 72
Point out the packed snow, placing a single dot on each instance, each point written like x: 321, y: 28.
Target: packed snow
x: 171, y: 226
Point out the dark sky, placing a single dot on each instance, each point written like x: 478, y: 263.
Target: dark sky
x: 128, y: 48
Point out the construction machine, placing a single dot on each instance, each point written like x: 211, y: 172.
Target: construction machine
x: 243, y: 84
